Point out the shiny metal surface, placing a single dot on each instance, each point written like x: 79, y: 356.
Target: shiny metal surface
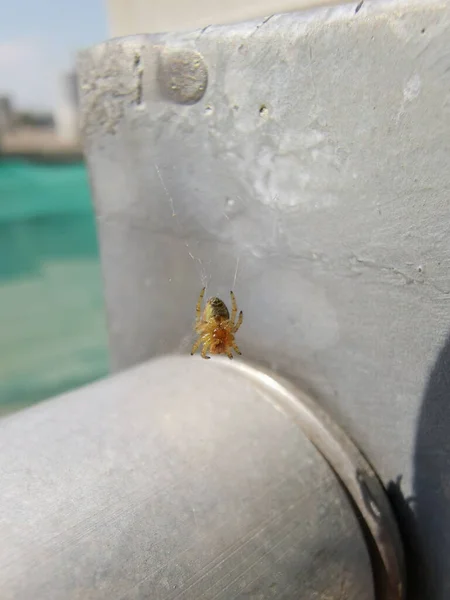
x: 156, y: 485
x: 311, y: 178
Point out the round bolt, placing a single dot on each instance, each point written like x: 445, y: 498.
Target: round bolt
x: 182, y: 75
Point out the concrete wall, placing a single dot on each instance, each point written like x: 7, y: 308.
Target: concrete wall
x: 301, y: 161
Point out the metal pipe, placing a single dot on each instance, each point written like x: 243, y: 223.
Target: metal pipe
x: 177, y: 479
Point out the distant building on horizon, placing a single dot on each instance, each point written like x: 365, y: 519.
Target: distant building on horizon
x: 6, y: 114
x: 67, y: 111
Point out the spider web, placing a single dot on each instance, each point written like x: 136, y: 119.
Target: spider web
x: 200, y: 266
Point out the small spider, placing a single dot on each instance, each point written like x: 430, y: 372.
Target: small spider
x: 215, y: 328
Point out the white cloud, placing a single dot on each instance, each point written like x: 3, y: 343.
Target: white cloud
x: 16, y: 53
x: 28, y: 72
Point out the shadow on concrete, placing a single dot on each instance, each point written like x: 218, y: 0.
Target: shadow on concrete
x: 430, y: 534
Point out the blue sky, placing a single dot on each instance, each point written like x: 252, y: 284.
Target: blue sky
x: 39, y: 40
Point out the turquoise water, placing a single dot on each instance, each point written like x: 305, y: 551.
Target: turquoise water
x: 52, y: 325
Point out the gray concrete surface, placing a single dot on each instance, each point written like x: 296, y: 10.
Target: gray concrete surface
x: 312, y: 178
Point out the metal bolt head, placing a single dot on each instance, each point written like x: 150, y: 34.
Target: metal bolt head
x: 182, y: 75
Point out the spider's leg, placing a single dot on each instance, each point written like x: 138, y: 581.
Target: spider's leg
x: 196, y: 346
x: 235, y: 348
x: 233, y: 307
x: 205, y: 350
x: 229, y: 355
x: 239, y: 322
x: 198, y: 308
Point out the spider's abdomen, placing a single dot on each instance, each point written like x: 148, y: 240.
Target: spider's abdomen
x: 216, y: 309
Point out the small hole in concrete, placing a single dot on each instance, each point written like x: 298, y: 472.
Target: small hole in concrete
x: 423, y: 30
x: 263, y: 111
x: 208, y: 109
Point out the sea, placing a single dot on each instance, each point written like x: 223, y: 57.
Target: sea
x: 52, y: 318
